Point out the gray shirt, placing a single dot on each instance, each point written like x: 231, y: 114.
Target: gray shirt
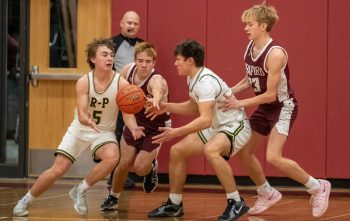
x: 124, y: 55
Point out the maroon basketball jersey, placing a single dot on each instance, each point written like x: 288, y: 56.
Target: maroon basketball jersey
x: 141, y: 119
x: 257, y: 72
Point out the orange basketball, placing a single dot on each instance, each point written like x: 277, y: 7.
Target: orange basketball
x: 130, y: 99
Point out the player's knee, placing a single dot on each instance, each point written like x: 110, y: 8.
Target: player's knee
x: 110, y: 161
x: 274, y: 159
x: 211, y: 153
x: 141, y: 169
x: 58, y: 171
x: 175, y: 152
x: 124, y: 164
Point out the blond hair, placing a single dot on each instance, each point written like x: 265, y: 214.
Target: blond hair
x: 146, y: 47
x: 263, y: 14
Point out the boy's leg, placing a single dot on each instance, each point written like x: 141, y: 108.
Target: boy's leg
x: 42, y: 184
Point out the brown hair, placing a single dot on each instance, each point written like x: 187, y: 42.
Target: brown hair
x: 92, y: 47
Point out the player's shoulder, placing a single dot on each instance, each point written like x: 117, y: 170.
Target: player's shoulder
x: 277, y: 52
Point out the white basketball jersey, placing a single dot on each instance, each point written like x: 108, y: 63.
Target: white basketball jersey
x: 103, y: 108
x: 207, y: 86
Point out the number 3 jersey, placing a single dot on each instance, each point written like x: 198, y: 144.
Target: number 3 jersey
x: 102, y: 107
x: 257, y: 72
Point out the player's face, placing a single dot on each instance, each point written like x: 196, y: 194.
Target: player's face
x: 103, y: 59
x: 130, y: 25
x: 144, y: 63
x: 253, y: 29
x: 182, y: 65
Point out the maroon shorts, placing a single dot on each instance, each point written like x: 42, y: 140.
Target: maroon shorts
x: 144, y: 143
x: 281, y: 115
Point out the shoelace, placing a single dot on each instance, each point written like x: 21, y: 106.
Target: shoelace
x: 164, y: 204
x: 24, y: 202
x: 261, y: 201
x: 316, y: 200
x: 81, y: 198
x: 228, y: 209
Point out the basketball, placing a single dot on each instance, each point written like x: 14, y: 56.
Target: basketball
x: 130, y: 99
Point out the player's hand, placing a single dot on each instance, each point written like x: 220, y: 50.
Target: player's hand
x: 137, y: 132
x: 91, y: 122
x: 230, y: 102
x: 153, y: 108
x: 168, y: 134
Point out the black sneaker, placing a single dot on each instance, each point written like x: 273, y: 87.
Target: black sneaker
x: 129, y: 183
x: 234, y: 210
x: 110, y: 180
x: 110, y: 203
x: 167, y: 209
x: 150, y: 181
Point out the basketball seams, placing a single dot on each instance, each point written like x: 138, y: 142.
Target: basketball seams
x: 130, y: 99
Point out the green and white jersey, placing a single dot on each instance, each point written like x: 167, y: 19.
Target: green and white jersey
x: 207, y: 86
x: 103, y: 108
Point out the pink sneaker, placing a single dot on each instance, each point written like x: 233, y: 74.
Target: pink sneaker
x: 264, y: 201
x: 319, y: 198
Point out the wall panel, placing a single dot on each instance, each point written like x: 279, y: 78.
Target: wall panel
x: 302, y: 31
x: 317, y: 140
x: 169, y: 23
x: 338, y: 108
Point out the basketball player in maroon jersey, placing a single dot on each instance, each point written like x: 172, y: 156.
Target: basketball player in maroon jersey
x: 140, y: 155
x: 268, y: 74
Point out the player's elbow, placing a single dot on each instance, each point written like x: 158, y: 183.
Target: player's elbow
x: 271, y: 97
x: 206, y: 122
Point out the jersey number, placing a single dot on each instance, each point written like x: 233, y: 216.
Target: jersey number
x: 97, y: 116
x: 255, y: 83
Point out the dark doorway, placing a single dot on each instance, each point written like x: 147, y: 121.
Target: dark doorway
x: 13, y: 69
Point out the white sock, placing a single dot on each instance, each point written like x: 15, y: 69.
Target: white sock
x: 312, y: 184
x: 30, y: 197
x: 234, y: 195
x: 115, y: 194
x: 264, y: 188
x: 83, y: 186
x: 175, y: 198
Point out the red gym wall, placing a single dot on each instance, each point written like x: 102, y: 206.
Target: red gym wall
x: 313, y: 33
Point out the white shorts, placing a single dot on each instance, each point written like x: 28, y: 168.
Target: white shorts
x: 71, y: 146
x: 238, y: 133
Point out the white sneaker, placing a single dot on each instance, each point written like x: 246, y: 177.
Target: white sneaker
x: 80, y: 204
x: 21, y: 209
x: 319, y: 198
x: 265, y: 201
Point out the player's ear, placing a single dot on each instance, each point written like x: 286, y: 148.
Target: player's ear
x: 93, y: 59
x: 190, y: 60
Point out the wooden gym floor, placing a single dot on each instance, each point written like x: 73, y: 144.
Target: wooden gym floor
x: 201, y: 202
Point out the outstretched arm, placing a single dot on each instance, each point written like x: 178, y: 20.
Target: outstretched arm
x: 158, y: 87
x: 203, y: 121
x: 185, y: 108
x: 129, y: 119
x: 241, y: 86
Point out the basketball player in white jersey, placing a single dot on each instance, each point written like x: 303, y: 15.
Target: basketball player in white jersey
x: 268, y: 74
x: 93, y: 127
x: 216, y: 134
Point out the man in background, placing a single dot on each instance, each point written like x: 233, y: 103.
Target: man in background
x: 124, y: 54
